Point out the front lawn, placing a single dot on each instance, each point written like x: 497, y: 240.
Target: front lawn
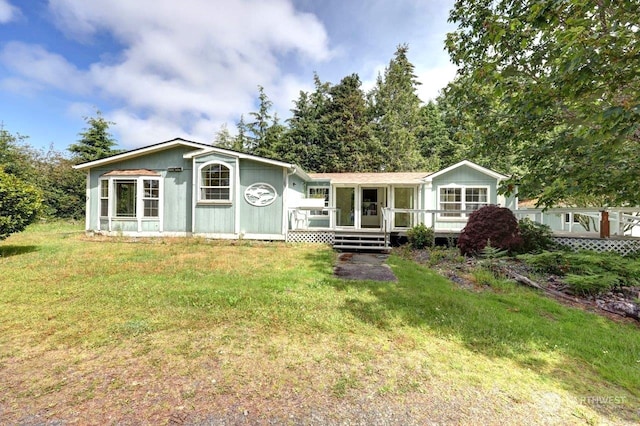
x: 98, y: 330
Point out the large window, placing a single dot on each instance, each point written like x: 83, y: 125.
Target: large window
x: 456, y: 199
x: 130, y: 197
x: 125, y: 200
x: 215, y: 182
x: 403, y: 199
x: 319, y: 192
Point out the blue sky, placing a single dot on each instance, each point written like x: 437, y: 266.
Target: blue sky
x: 162, y: 69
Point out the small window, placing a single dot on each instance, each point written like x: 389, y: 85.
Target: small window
x: 568, y: 217
x: 104, y: 198
x: 475, y: 198
x: 319, y: 192
x: 451, y: 199
x: 151, y: 197
x: 215, y: 183
x: 125, y: 202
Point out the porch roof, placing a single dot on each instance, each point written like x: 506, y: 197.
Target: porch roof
x: 389, y: 178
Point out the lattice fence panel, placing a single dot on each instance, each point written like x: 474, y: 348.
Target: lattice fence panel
x: 310, y: 237
x: 623, y: 247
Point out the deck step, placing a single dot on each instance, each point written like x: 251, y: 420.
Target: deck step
x: 361, y: 241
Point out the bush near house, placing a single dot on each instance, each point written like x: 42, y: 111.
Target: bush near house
x: 536, y: 237
x: 493, y: 224
x: 20, y: 203
x: 420, y: 237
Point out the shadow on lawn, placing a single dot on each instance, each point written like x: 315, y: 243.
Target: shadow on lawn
x: 8, y: 251
x: 521, y: 326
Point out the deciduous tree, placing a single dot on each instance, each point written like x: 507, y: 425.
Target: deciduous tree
x: 20, y: 203
x: 565, y: 74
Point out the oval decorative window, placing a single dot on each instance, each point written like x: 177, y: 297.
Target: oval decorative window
x: 260, y: 194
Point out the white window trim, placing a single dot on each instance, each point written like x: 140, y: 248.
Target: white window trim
x: 143, y: 198
x: 463, y: 202
x: 231, y: 183
x: 100, y: 197
x: 327, y: 203
x: 392, y: 202
x: 139, y: 217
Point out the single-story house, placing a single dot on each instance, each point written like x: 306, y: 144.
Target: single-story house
x: 186, y: 188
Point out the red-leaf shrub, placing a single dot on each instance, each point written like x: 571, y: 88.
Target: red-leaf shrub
x: 490, y: 223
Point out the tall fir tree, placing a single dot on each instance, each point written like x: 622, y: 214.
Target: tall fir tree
x: 241, y: 140
x: 350, y: 145
x: 395, y: 113
x: 224, y: 139
x: 436, y: 147
x: 305, y: 138
x: 95, y: 141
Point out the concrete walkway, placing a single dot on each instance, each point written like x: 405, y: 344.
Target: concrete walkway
x: 363, y: 266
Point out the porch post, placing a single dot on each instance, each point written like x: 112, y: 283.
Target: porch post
x: 605, y: 232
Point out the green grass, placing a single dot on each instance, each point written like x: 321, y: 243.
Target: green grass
x: 85, y: 319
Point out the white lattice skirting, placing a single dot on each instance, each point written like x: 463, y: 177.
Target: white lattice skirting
x: 317, y: 237
x: 623, y: 247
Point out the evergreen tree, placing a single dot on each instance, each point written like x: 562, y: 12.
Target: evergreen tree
x: 259, y: 127
x: 95, y: 141
x: 241, y: 142
x: 274, y: 140
x: 223, y: 138
x: 395, y: 112
x: 305, y: 138
x: 437, y: 149
x: 349, y: 144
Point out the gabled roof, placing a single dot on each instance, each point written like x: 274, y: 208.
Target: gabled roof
x: 381, y: 178
x: 199, y: 149
x: 140, y: 152
x: 214, y: 149
x: 470, y: 164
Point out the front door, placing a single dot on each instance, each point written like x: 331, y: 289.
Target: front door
x: 345, y: 207
x: 372, y: 202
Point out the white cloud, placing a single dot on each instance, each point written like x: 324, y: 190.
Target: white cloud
x: 140, y: 131
x: 39, y: 68
x: 183, y: 69
x: 8, y: 12
x: 434, y: 79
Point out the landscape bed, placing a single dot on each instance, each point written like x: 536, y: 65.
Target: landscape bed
x: 114, y: 330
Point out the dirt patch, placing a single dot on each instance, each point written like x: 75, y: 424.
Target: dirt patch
x: 364, y: 266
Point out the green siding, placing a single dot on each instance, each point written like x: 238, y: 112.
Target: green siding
x: 466, y: 176
x: 177, y: 188
x: 217, y: 218
x: 266, y: 219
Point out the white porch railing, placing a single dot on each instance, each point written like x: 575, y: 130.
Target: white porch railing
x: 587, y: 221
